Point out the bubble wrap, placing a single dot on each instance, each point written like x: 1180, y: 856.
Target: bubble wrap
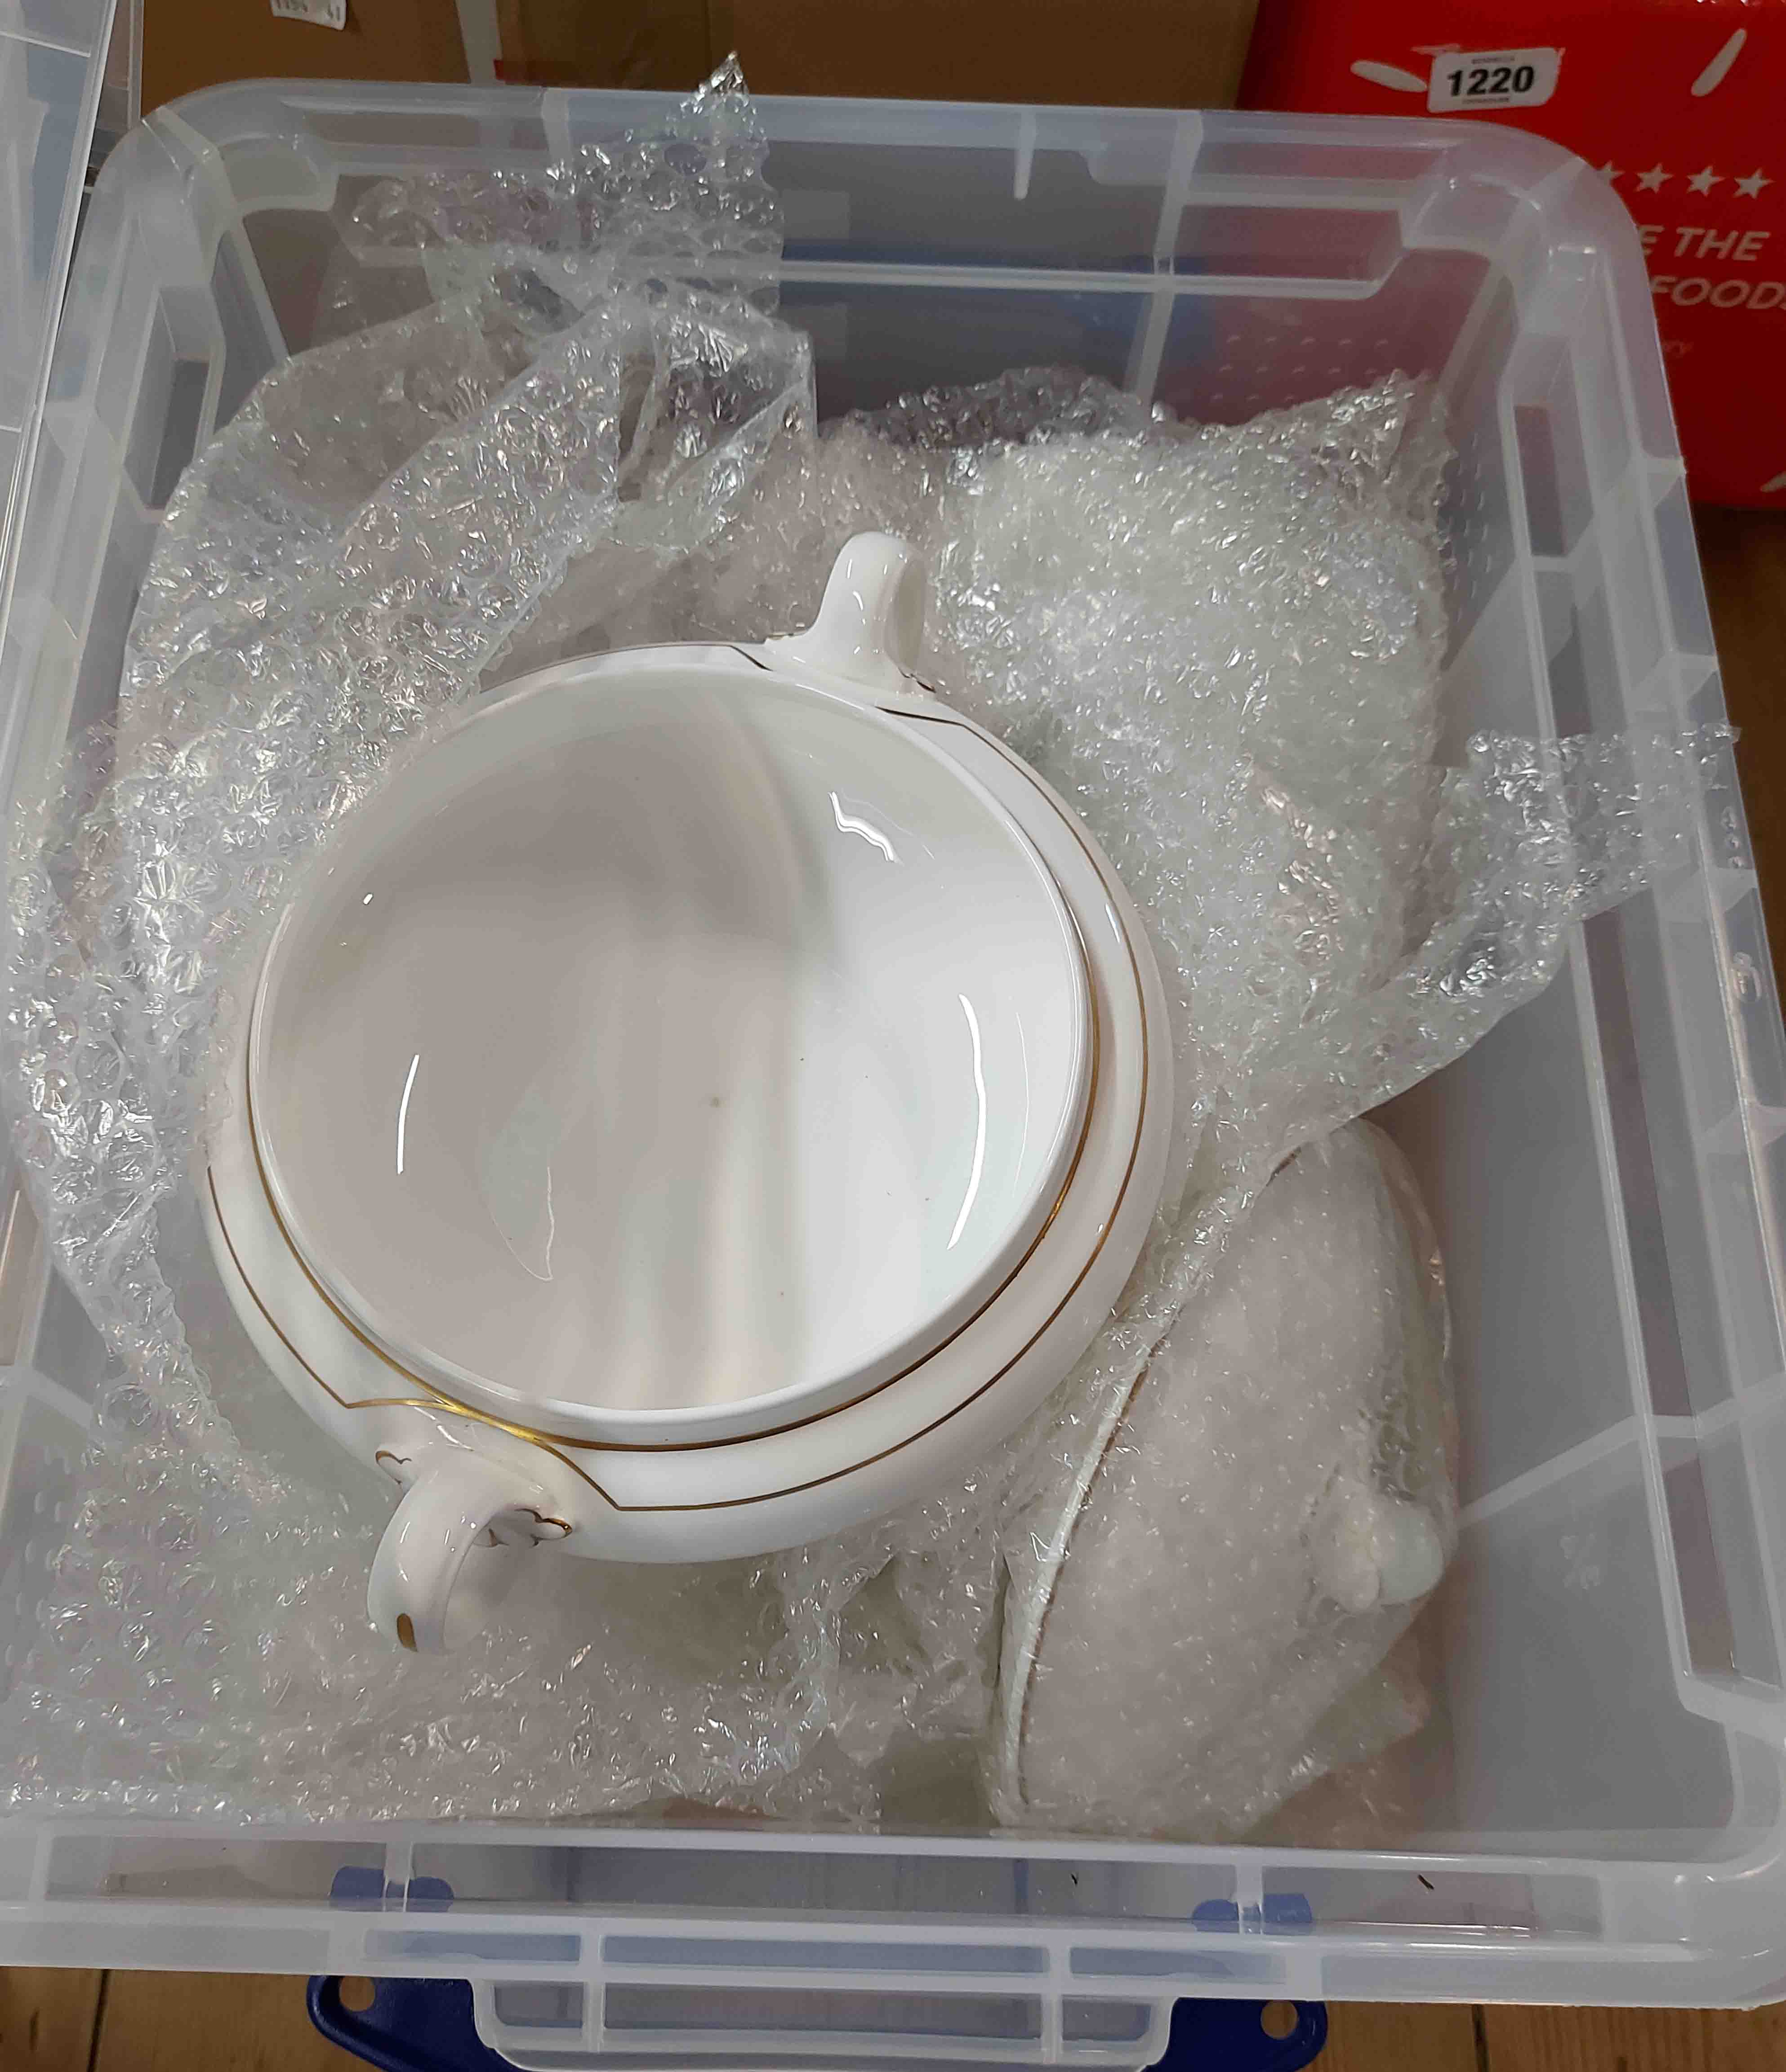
x: 554, y: 412
x: 1231, y: 1566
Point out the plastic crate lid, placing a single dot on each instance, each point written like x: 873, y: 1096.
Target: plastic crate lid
x: 60, y: 80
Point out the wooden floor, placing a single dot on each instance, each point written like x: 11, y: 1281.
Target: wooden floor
x: 151, y: 2021
x: 170, y: 2021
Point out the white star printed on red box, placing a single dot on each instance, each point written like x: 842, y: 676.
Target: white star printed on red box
x: 1609, y: 171
x: 1702, y: 182
x: 1648, y: 182
x: 1750, y: 185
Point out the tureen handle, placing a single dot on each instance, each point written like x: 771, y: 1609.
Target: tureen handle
x: 871, y: 625
x: 431, y: 1585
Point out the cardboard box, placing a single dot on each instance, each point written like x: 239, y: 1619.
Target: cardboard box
x: 653, y: 46
x: 1104, y: 53
x: 187, y: 45
x: 1676, y: 102
x: 1111, y: 53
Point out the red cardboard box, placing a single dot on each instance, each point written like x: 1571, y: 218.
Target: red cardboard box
x: 1680, y: 103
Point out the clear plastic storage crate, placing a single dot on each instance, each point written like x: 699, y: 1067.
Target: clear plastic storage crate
x: 1601, y: 1790
x: 66, y: 82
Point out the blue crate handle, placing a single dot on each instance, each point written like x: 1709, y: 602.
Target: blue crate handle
x: 412, y: 2025
x: 426, y: 2025
x: 1229, y: 2035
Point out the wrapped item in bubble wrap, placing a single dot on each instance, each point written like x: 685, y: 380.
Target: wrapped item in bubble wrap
x: 557, y: 414
x: 1197, y: 1610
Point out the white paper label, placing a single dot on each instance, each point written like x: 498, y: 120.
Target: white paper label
x: 326, y: 13
x: 1466, y: 79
